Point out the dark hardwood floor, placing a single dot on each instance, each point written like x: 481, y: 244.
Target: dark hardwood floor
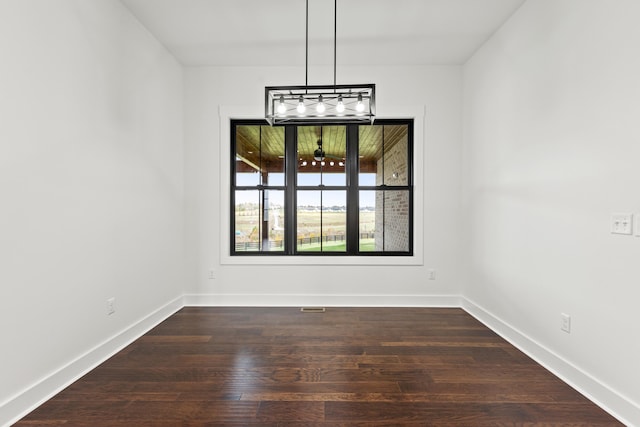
x: 345, y: 367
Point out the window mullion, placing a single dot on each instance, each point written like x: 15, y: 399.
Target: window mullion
x: 291, y: 166
x: 353, y: 194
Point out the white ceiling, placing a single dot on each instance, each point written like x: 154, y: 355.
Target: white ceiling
x: 370, y: 32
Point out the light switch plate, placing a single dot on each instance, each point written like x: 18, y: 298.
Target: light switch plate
x: 565, y: 322
x: 622, y: 223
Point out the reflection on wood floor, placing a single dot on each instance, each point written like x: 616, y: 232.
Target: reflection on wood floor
x: 344, y: 367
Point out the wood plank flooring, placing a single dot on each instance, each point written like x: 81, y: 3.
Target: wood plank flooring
x: 345, y: 367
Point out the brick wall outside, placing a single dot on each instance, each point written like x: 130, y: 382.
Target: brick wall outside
x: 395, y: 205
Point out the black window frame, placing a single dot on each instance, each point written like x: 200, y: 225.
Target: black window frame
x: 351, y: 187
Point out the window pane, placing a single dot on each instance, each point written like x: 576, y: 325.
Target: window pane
x: 383, y: 155
x: 389, y: 221
x: 259, y: 155
x: 322, y: 221
x: 395, y: 221
x: 259, y: 220
x: 367, y: 179
x: 367, y: 221
x: 321, y: 155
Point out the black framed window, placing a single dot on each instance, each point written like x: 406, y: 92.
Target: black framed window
x: 326, y: 189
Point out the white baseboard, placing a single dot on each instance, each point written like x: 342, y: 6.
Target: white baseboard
x: 596, y: 391
x: 290, y: 300
x: 26, y: 401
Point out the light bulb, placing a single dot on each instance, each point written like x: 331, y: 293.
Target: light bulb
x: 320, y: 107
x: 340, y: 106
x: 301, y: 108
x: 331, y: 163
x: 313, y: 163
x: 281, y: 107
x: 360, y: 105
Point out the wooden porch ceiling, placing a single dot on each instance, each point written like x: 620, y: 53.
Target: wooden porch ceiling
x: 266, y: 143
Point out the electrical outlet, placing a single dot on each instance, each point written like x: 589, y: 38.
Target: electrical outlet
x: 622, y: 223
x: 212, y: 273
x: 565, y: 322
x: 111, y: 306
x: 636, y: 223
x: 431, y: 274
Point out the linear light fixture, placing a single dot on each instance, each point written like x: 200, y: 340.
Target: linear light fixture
x: 320, y: 103
x: 327, y: 104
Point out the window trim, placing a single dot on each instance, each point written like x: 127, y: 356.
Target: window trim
x: 226, y: 114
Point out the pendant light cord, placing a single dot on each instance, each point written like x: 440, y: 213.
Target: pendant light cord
x: 306, y: 49
x: 335, y: 43
x: 335, y: 38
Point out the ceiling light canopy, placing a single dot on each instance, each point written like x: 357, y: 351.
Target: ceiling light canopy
x: 320, y: 103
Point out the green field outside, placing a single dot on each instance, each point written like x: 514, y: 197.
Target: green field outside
x: 247, y: 223
x: 367, y: 245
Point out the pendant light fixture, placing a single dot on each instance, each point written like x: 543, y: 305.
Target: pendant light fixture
x: 317, y: 103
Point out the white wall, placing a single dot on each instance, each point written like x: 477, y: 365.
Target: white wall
x: 551, y: 149
x: 436, y: 93
x: 91, y: 183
